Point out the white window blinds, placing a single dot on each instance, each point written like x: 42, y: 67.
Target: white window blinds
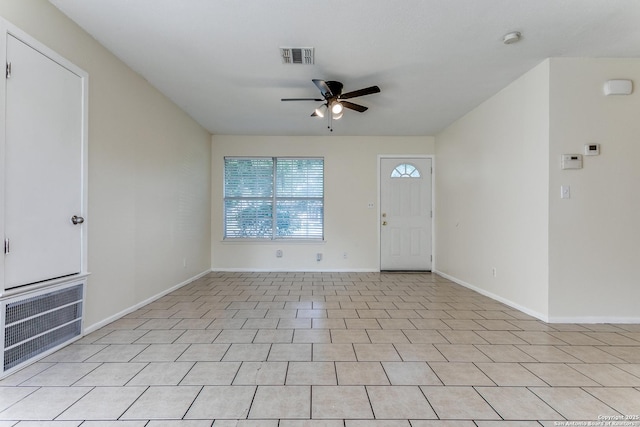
x: 274, y: 198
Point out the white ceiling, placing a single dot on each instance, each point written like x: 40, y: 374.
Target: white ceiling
x: 434, y: 60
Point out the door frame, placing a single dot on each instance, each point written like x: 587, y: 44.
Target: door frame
x: 379, y: 211
x: 6, y: 29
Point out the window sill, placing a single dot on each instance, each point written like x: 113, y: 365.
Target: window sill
x: 273, y: 242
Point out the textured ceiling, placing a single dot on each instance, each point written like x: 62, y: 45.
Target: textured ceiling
x: 434, y: 60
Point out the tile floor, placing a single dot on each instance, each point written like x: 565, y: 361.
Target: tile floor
x: 329, y: 350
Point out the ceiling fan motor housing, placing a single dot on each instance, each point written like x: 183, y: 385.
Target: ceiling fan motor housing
x: 335, y: 87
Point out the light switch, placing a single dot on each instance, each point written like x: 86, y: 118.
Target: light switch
x: 565, y: 192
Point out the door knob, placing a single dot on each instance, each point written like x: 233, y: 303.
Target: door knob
x: 77, y: 220
x: 384, y: 222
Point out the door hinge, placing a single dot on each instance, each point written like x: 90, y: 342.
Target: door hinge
x: 7, y: 248
x: 431, y: 258
x: 431, y: 214
x: 8, y: 70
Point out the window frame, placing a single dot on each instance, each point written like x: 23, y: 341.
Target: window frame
x: 272, y: 200
x: 405, y: 174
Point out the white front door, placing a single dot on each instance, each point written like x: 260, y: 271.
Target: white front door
x: 43, y: 173
x: 405, y: 214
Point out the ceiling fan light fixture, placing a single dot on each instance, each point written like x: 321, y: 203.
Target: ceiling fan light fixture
x: 321, y: 110
x: 335, y: 101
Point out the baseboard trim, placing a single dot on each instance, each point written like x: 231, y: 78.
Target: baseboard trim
x: 594, y: 319
x: 540, y: 316
x: 289, y: 270
x: 498, y: 298
x: 100, y: 324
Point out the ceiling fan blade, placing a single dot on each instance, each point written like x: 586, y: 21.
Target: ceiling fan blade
x: 301, y: 99
x: 323, y: 87
x: 366, y: 91
x: 355, y: 107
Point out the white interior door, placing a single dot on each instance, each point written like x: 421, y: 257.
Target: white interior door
x: 43, y: 174
x: 405, y: 210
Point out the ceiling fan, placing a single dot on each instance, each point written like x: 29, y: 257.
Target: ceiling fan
x: 334, y: 99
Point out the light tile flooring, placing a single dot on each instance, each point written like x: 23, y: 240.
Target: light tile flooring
x: 328, y: 350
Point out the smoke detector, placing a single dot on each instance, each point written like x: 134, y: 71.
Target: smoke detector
x: 297, y: 55
x: 512, y: 37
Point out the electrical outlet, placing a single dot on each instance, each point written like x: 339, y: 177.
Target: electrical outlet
x: 279, y: 253
x: 494, y: 272
x: 345, y: 255
x: 319, y: 256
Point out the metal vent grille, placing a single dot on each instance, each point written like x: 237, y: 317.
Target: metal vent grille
x: 23, y: 331
x: 29, y: 307
x: 297, y: 55
x: 25, y: 351
x: 37, y: 324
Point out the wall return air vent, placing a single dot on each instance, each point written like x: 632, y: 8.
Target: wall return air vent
x: 297, y: 55
x: 36, y: 324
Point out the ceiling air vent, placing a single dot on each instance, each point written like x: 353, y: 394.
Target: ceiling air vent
x: 297, y: 55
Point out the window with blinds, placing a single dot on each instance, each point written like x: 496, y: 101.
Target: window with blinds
x: 273, y: 198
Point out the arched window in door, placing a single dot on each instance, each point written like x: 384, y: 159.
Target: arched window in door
x: 405, y: 170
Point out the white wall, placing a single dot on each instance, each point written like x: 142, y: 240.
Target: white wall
x: 351, y: 182
x: 491, y: 195
x: 498, y: 194
x: 594, y: 237
x: 149, y: 173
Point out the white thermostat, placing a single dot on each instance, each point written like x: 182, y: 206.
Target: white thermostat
x: 572, y: 161
x: 591, y: 149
